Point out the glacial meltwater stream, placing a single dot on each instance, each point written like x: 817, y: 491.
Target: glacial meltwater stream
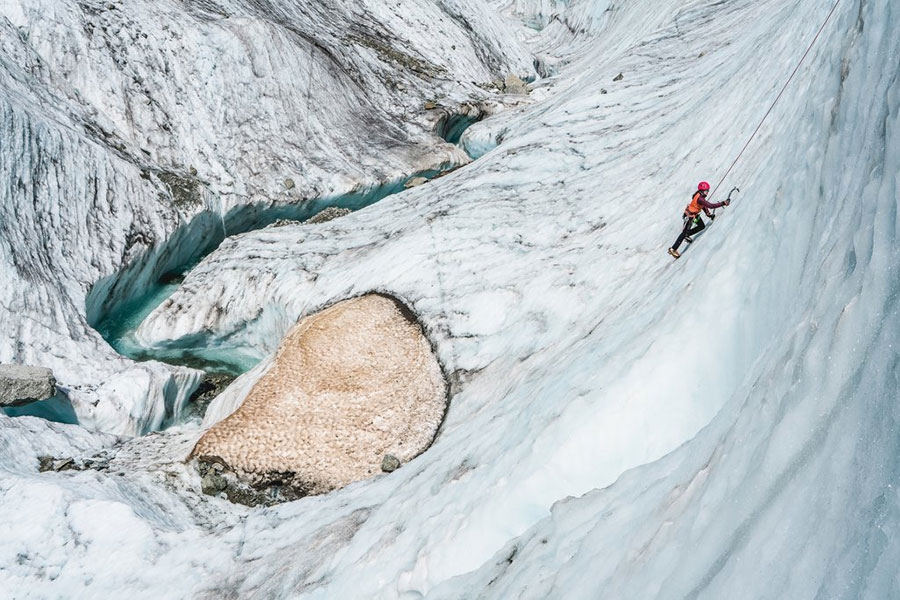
x: 118, y: 323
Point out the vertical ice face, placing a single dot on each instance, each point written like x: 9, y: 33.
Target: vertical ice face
x: 621, y: 425
x: 791, y: 490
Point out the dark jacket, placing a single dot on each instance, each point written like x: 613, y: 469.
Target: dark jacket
x: 698, y: 202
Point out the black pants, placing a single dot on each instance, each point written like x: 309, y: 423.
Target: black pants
x: 689, y: 230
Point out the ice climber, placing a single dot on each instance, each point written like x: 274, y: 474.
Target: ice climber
x: 692, y: 222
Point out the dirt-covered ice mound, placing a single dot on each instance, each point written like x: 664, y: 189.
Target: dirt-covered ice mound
x: 349, y: 385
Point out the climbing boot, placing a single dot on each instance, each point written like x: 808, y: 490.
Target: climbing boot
x: 674, y: 253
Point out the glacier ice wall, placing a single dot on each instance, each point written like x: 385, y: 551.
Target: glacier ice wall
x: 791, y: 490
x: 621, y: 425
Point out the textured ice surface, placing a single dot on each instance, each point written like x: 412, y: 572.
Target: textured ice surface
x: 621, y: 425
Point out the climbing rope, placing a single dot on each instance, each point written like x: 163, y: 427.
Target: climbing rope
x: 778, y: 97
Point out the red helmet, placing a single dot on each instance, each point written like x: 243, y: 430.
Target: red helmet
x: 703, y: 186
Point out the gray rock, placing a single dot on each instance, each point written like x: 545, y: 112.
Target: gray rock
x: 185, y: 190
x: 283, y: 222
x: 619, y: 77
x: 212, y: 480
x: 332, y: 212
x: 214, y: 384
x: 289, y: 183
x: 513, y: 84
x: 218, y: 478
x: 20, y: 384
x: 390, y: 463
x: 415, y: 181
x: 98, y: 464
x: 65, y: 464
x: 212, y: 483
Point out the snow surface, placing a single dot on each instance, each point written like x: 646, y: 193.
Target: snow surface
x: 620, y: 426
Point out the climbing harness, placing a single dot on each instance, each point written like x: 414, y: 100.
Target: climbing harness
x: 778, y: 97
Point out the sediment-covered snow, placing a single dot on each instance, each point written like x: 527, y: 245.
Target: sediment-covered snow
x: 620, y: 425
x: 349, y: 385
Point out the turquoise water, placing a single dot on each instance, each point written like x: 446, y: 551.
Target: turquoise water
x: 118, y: 321
x: 119, y: 305
x: 455, y: 125
x: 128, y: 316
x: 118, y: 328
x: 57, y: 409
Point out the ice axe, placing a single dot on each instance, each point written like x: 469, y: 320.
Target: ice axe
x: 733, y: 190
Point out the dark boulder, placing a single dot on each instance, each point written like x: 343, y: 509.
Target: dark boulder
x: 21, y: 384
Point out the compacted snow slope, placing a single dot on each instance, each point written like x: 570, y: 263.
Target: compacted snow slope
x: 620, y: 425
